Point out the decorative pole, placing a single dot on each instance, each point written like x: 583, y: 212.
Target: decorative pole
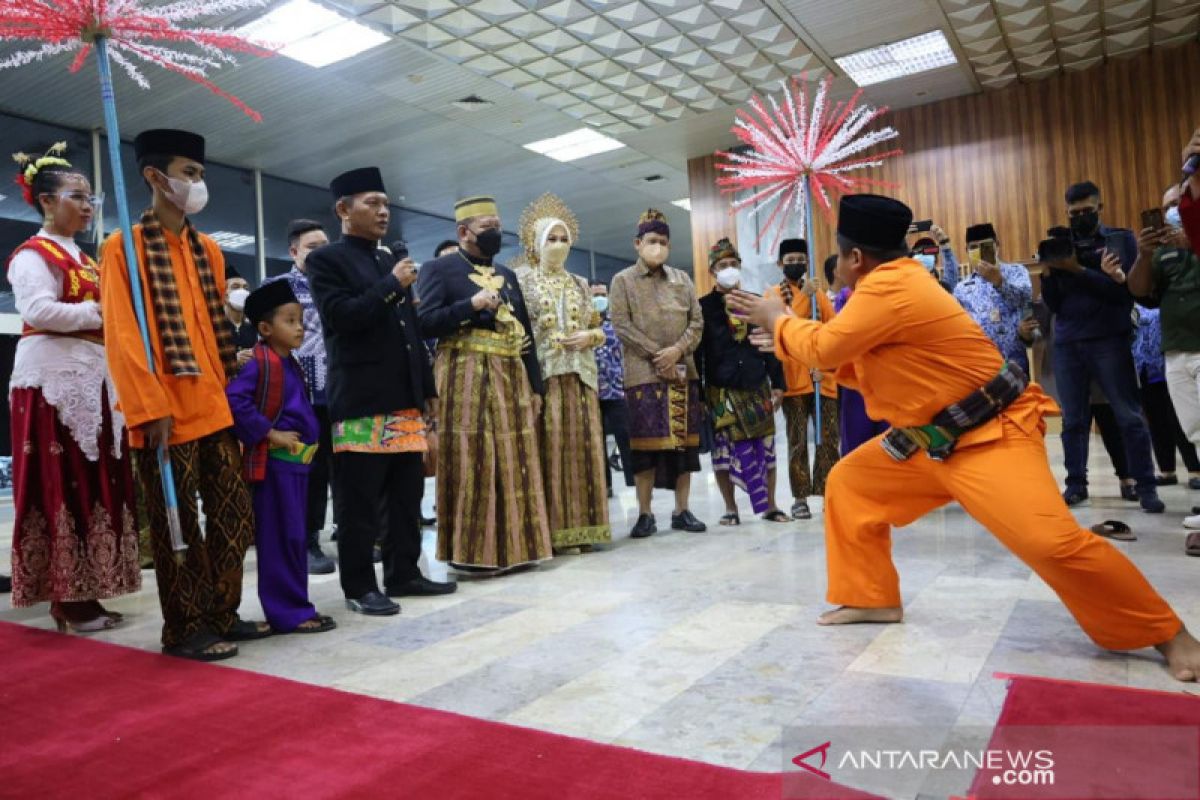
x: 122, y: 31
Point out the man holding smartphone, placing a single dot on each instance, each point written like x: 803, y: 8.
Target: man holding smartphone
x: 996, y: 295
x: 1092, y: 333
x: 1166, y: 276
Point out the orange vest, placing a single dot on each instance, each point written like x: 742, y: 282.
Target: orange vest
x: 81, y: 282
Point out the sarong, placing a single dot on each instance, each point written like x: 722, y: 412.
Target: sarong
x: 74, y: 536
x: 664, y: 430
x: 491, y: 498
x: 573, y: 461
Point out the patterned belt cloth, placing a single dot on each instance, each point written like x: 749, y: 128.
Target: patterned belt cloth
x: 939, y: 438
x: 477, y: 340
x: 303, y: 454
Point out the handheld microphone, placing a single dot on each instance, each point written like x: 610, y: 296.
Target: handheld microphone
x: 399, y: 249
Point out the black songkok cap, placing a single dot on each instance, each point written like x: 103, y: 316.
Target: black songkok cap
x: 268, y: 297
x: 167, y: 142
x: 874, y: 221
x: 792, y: 246
x: 981, y: 233
x: 357, y: 181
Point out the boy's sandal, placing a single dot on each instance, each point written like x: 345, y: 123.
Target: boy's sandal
x: 244, y: 631
x: 731, y: 519
x: 199, y: 647
x: 318, y: 624
x: 1114, y: 529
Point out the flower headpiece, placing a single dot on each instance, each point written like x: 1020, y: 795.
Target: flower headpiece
x: 29, y: 167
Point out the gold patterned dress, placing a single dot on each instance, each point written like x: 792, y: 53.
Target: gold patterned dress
x: 571, y: 431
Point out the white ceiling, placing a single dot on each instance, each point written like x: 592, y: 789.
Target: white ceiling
x: 663, y: 76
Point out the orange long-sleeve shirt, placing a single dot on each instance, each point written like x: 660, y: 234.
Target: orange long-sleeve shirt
x: 909, y: 348
x: 796, y: 374
x: 196, y: 403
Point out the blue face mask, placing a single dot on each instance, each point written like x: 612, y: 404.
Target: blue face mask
x: 928, y: 261
x: 1172, y: 217
x: 600, y: 303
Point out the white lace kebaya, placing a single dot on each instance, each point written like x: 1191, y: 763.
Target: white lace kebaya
x: 70, y: 372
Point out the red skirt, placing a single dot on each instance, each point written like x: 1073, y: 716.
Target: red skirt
x: 74, y: 537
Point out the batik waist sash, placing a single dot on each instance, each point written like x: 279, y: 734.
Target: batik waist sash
x: 939, y: 438
x: 303, y: 454
x: 742, y: 413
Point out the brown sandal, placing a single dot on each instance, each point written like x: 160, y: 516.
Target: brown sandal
x: 1192, y: 544
x: 1114, y: 529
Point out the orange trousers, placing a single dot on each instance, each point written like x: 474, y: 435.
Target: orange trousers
x: 1007, y: 486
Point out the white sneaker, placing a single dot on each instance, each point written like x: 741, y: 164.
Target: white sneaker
x: 1192, y: 522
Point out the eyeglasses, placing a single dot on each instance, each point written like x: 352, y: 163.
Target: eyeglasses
x: 94, y: 200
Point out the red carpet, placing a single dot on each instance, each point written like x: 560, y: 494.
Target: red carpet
x: 88, y: 719
x: 1106, y: 741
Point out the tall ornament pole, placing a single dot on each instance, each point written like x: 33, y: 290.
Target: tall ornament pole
x: 112, y: 131
x: 812, y: 302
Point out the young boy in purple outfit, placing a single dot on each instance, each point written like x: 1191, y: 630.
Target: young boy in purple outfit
x: 277, y: 425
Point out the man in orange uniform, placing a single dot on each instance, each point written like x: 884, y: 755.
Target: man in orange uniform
x: 799, y: 398
x: 922, y: 363
x: 182, y: 402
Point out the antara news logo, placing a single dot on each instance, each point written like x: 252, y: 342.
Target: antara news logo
x: 1007, y: 767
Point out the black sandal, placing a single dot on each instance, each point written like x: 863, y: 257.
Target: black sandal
x: 197, y: 648
x: 776, y: 516
x: 731, y: 519
x: 1114, y: 529
x: 323, y: 624
x: 245, y: 631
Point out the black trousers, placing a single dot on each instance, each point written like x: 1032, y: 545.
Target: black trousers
x: 1166, y: 433
x: 364, y: 484
x: 320, y: 477
x: 1110, y: 434
x: 615, y: 419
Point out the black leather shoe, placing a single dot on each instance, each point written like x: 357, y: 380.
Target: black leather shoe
x: 373, y: 604
x: 422, y: 587
x: 318, y: 562
x: 1129, y: 492
x: 646, y: 526
x: 686, y: 521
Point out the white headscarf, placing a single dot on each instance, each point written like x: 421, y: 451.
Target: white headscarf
x: 542, y: 228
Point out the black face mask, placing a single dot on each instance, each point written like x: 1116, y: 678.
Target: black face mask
x: 488, y: 241
x: 1085, y: 224
x: 795, y: 272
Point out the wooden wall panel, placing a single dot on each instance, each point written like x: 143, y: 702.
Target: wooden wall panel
x: 1007, y: 156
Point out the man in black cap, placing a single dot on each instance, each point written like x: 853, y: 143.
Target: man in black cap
x: 379, y: 386
x: 181, y: 401
x: 924, y: 365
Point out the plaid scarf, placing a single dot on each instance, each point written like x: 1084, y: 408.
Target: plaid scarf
x: 177, y: 347
x: 268, y: 398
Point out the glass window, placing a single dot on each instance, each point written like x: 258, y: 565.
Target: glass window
x: 284, y: 201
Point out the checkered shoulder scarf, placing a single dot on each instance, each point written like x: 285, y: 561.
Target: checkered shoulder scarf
x: 164, y: 292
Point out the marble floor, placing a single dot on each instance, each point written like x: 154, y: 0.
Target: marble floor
x: 703, y: 645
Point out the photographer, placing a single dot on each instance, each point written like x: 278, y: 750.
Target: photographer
x: 997, y: 295
x: 1166, y: 276
x: 1092, y: 331
x: 931, y: 247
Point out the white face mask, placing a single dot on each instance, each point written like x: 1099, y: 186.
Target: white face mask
x: 188, y: 197
x: 554, y: 254
x: 600, y: 303
x: 237, y: 299
x: 1172, y: 217
x: 654, y: 254
x: 729, y: 278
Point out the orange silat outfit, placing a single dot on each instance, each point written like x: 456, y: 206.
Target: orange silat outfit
x: 911, y: 350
